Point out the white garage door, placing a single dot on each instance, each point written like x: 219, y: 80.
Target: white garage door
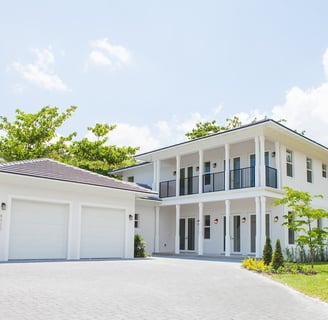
x: 38, y: 230
x: 102, y: 233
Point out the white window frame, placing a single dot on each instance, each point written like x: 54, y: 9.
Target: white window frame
x: 289, y: 163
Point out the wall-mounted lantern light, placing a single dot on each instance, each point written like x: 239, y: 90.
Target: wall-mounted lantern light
x: 197, y: 168
x: 130, y: 217
x: 174, y: 173
x: 197, y: 221
x: 3, y: 206
x: 214, y: 165
x: 276, y: 219
x: 216, y: 221
x: 273, y: 154
x: 243, y: 220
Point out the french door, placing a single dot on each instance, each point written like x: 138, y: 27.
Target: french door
x: 187, y: 234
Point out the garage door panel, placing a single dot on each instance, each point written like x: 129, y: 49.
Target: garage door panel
x: 102, y: 233
x: 38, y: 230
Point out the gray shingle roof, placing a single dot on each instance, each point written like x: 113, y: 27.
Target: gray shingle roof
x: 53, y: 170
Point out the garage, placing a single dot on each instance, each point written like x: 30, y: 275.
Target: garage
x: 102, y: 233
x: 38, y: 230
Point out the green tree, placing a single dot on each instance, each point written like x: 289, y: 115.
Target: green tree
x: 303, y: 219
x: 96, y: 155
x: 277, y: 258
x: 203, y: 129
x: 267, y: 252
x: 33, y: 136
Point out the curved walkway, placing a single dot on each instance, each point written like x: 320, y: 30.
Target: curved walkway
x: 153, y: 288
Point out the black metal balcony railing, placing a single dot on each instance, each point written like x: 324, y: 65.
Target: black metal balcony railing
x: 271, y: 177
x: 242, y: 178
x: 167, y: 189
x: 189, y: 185
x: 213, y: 182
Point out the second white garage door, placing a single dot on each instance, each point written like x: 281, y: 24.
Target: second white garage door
x: 102, y: 233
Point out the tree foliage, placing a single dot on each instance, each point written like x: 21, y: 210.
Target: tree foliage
x: 267, y: 252
x: 203, y: 129
x: 277, y: 258
x: 303, y: 219
x: 33, y: 136
x: 96, y: 155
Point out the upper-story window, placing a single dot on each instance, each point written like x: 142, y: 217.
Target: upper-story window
x: 207, y: 170
x: 131, y: 179
x: 309, y: 170
x: 289, y: 163
x: 324, y: 170
x: 207, y: 226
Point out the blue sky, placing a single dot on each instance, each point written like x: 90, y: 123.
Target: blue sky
x: 155, y: 68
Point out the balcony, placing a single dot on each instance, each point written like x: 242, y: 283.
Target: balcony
x: 214, y: 182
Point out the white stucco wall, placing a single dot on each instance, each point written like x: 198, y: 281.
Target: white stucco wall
x: 75, y: 195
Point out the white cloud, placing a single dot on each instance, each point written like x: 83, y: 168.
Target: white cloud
x: 99, y: 58
x: 40, y: 72
x: 107, y: 54
x: 135, y: 136
x: 306, y: 110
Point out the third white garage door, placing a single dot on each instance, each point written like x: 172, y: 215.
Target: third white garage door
x: 102, y: 233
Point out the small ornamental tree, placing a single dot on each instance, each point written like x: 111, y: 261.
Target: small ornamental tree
x: 139, y: 247
x: 267, y: 252
x: 277, y: 258
x: 303, y: 219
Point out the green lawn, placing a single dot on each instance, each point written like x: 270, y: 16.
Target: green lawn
x: 311, y: 285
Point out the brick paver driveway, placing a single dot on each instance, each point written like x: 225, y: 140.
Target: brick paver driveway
x: 154, y: 288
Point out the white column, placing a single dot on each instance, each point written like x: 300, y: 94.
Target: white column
x: 156, y: 179
x: 156, y: 229
x: 177, y: 176
x: 200, y: 229
x: 227, y: 166
x: 227, y: 239
x: 262, y: 161
x: 278, y: 164
x: 258, y: 228
x: 177, y: 229
x: 257, y: 162
x: 263, y: 211
x: 201, y: 170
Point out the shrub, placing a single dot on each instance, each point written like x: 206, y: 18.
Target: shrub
x: 254, y: 264
x: 277, y: 258
x: 139, y: 247
x: 267, y: 252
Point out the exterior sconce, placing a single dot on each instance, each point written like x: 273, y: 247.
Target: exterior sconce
x: 275, y: 219
x: 130, y: 217
x: 174, y: 173
x: 214, y: 165
x: 3, y: 206
x: 216, y: 221
x: 197, y: 221
x: 243, y: 220
x: 273, y: 154
x: 197, y: 168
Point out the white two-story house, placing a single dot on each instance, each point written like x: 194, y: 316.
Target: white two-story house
x: 216, y: 192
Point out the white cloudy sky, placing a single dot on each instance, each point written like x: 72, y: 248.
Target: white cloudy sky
x: 155, y: 68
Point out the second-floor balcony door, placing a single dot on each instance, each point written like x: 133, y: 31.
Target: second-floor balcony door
x: 252, y: 163
x: 236, y: 173
x: 182, y: 181
x: 190, y: 180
